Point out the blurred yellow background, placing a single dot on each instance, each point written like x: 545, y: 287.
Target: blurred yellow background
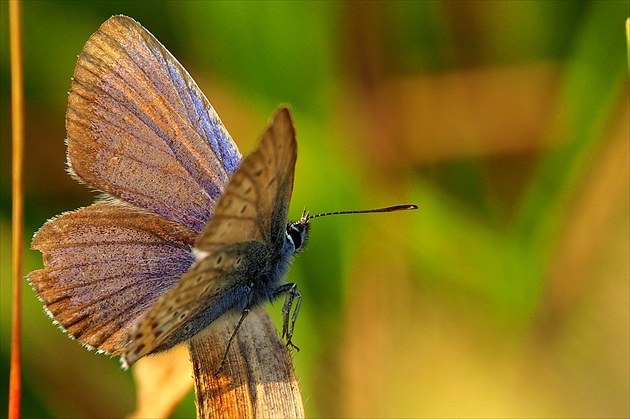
x: 505, y: 295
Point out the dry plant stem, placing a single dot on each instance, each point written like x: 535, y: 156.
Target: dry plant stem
x: 17, y: 157
x: 257, y: 380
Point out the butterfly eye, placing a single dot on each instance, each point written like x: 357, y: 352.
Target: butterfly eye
x: 295, y: 235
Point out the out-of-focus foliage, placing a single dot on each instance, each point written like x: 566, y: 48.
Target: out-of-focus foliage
x: 505, y: 294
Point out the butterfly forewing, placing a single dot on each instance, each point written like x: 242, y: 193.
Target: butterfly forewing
x: 141, y: 130
x: 235, y: 243
x: 105, y: 266
x: 255, y: 204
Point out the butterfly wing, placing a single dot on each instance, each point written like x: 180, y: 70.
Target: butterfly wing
x: 140, y: 129
x: 255, y: 204
x: 105, y: 266
x: 248, y: 227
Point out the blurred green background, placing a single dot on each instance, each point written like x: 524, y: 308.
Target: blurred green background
x: 504, y: 295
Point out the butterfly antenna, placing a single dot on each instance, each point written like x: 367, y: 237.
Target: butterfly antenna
x: 386, y: 209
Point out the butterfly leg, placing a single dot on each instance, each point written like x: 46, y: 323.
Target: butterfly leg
x: 291, y: 293
x: 238, y: 326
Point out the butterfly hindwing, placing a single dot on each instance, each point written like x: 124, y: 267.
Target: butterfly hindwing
x: 105, y: 266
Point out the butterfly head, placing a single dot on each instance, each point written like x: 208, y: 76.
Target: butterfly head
x: 297, y: 232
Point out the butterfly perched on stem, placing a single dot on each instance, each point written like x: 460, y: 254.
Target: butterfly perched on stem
x: 187, y: 230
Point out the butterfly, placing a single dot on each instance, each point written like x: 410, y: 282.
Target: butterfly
x: 187, y: 230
